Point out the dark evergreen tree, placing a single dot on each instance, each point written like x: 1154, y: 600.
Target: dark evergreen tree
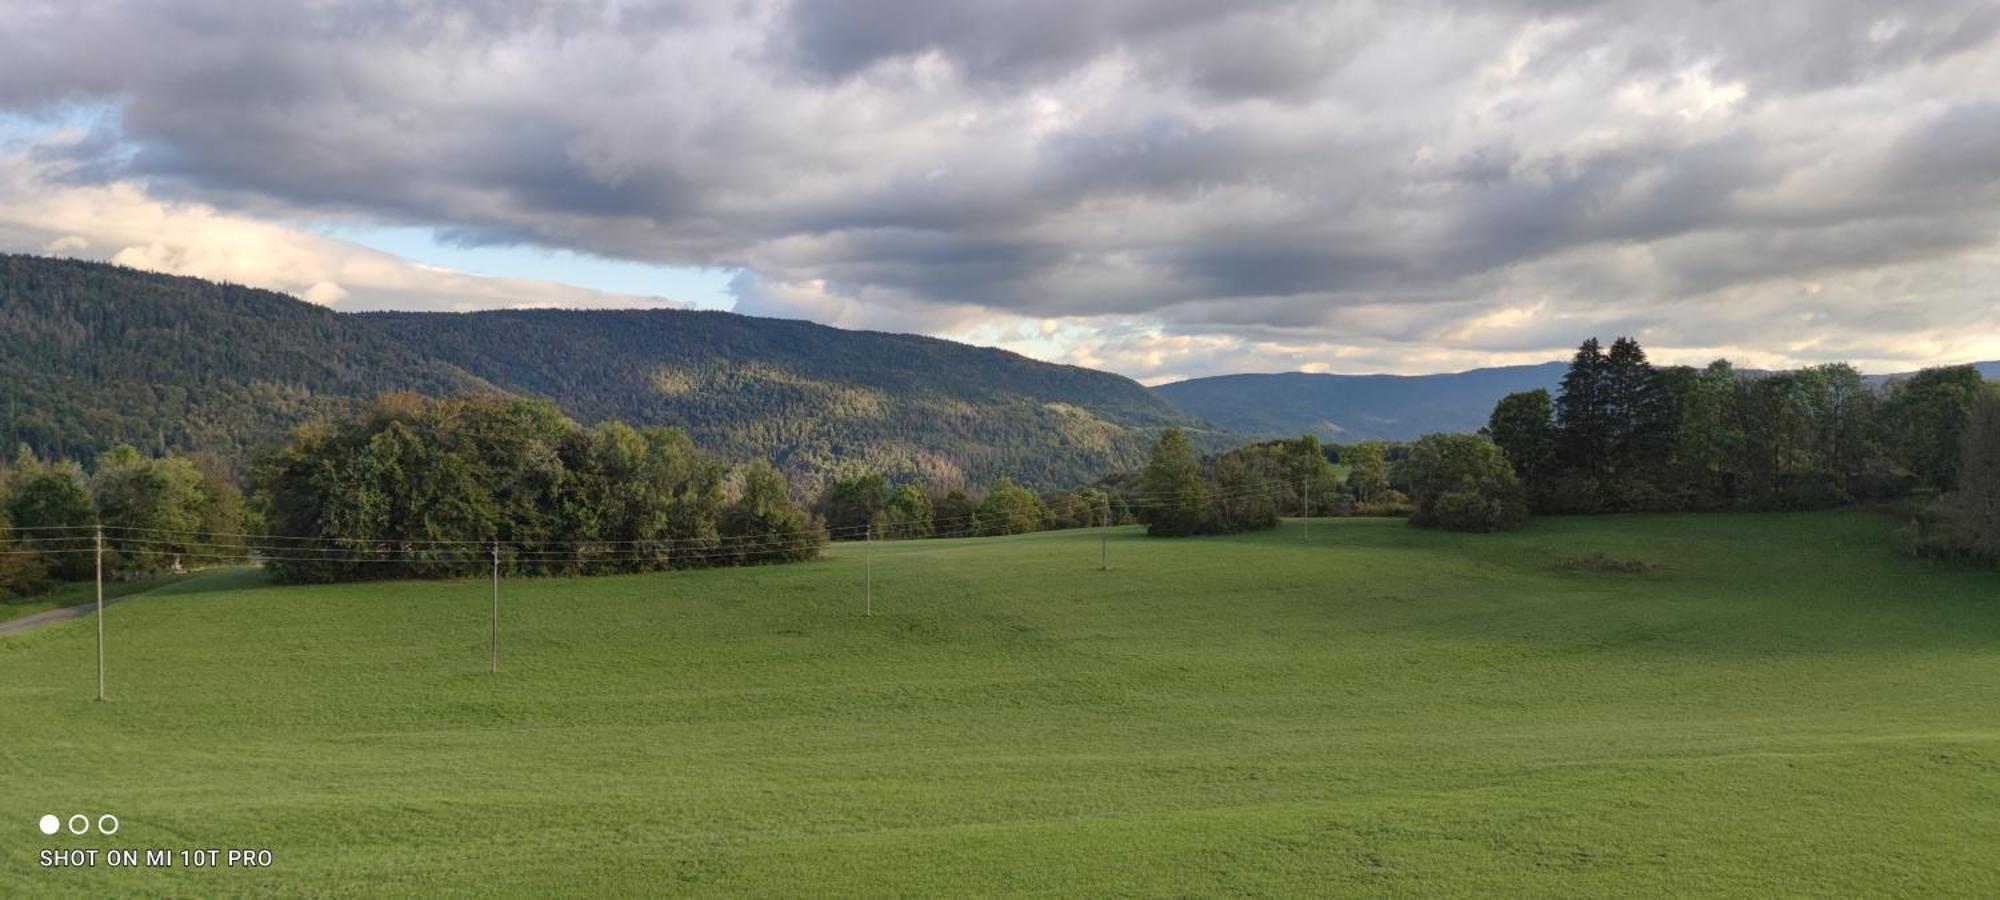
x: 1640, y: 430
x: 1583, y: 413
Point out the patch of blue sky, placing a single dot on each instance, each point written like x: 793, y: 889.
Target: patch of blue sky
x: 21, y: 129
x: 706, y: 288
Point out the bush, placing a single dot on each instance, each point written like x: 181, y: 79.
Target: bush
x: 1389, y: 503
x: 1472, y: 511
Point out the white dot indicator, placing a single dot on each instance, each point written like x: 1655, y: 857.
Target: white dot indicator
x: 51, y: 824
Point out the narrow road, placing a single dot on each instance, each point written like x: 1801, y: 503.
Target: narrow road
x: 64, y: 614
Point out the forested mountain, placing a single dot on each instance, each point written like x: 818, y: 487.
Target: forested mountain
x: 98, y: 355
x: 814, y: 399
x: 1347, y: 408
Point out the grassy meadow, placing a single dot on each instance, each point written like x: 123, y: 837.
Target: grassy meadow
x: 1779, y: 705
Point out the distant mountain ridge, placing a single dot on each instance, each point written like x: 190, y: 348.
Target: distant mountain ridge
x: 98, y: 355
x: 1348, y: 408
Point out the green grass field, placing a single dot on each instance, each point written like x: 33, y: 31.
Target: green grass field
x: 1783, y: 707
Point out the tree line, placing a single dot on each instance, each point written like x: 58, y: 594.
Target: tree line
x: 409, y: 487
x: 1624, y: 435
x: 181, y: 509
x: 1178, y: 493
x: 430, y: 485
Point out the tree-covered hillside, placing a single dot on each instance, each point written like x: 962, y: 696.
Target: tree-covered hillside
x: 99, y: 355
x: 814, y: 399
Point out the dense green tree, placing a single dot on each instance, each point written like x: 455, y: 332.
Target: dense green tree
x: 21, y: 571
x: 1012, y: 509
x: 907, y: 514
x: 49, y: 506
x: 1965, y: 523
x: 161, y: 500
x: 1849, y: 431
x: 1463, y: 482
x: 1974, y: 505
x: 1175, y: 497
x: 764, y: 525
x: 1707, y: 436
x: 954, y: 514
x: 1242, y: 500
x: 1523, y: 425
x: 1367, y: 470
x: 1070, y: 509
x: 1924, y: 415
x: 853, y: 504
x: 1307, y: 469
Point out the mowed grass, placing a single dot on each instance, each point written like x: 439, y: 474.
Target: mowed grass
x: 1783, y: 706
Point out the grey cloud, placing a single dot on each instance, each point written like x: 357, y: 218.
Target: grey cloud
x: 991, y: 39
x: 1347, y: 171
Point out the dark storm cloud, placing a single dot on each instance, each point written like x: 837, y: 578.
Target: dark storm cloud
x: 1003, y: 40
x: 1324, y: 171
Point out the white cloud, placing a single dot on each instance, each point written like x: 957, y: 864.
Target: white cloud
x: 120, y: 222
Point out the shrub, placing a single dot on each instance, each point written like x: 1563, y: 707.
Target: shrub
x: 1599, y: 562
x: 1471, y: 511
x: 1390, y: 503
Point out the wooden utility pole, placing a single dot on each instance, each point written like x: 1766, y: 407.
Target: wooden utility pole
x: 100, y: 614
x: 1306, y: 491
x: 495, y: 639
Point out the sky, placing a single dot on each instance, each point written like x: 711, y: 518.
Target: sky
x: 1164, y: 189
